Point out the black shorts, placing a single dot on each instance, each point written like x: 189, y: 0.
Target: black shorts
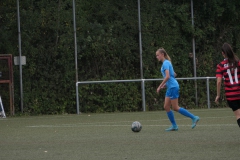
x: 235, y: 105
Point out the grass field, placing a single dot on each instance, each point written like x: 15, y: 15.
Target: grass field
x: 109, y: 137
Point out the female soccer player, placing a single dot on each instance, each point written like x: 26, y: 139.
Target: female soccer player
x: 229, y: 69
x: 172, y: 93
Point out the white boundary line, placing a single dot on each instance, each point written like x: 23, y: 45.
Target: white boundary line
x: 114, y: 125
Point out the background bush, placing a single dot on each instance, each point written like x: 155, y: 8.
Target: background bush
x: 108, y: 49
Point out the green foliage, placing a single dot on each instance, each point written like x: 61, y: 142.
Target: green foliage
x: 108, y: 49
x: 111, y: 97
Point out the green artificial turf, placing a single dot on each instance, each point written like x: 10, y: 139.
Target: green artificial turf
x: 109, y: 137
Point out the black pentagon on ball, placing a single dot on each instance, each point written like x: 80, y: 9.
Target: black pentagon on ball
x: 136, y: 126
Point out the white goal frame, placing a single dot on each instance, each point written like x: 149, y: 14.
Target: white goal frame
x: 143, y: 87
x: 1, y: 105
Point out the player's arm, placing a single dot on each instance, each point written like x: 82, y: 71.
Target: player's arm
x: 219, y: 82
x: 175, y: 75
x: 164, y: 80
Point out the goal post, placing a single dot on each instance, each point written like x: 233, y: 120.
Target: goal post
x: 2, y: 112
x: 6, y: 82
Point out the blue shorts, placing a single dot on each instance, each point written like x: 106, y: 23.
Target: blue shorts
x: 172, y: 93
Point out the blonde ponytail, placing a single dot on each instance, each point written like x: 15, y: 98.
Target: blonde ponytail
x: 166, y: 56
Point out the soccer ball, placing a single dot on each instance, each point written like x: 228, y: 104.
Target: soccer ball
x: 136, y: 126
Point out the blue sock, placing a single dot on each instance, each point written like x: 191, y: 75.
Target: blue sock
x: 186, y: 113
x: 171, y: 117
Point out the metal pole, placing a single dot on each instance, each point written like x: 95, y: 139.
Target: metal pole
x: 140, y: 48
x: 75, y: 47
x: 208, y: 94
x: 194, y: 55
x: 20, y: 55
x: 143, y: 95
x: 77, y: 98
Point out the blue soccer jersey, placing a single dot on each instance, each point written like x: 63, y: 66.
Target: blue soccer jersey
x: 172, y: 82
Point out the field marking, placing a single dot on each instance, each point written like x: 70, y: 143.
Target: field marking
x: 109, y: 114
x: 107, y: 124
x: 115, y: 125
x: 113, y: 114
x: 160, y: 119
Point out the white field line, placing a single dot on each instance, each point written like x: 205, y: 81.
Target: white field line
x: 158, y: 120
x: 113, y: 124
x: 113, y: 114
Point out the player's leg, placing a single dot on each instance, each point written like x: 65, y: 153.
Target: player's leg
x: 174, y: 103
x: 170, y: 114
x: 183, y: 111
x: 235, y: 106
x: 237, y: 114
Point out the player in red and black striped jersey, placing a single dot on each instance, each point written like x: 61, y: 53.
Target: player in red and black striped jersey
x: 231, y: 79
x: 229, y: 70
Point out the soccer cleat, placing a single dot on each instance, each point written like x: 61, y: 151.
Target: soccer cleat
x: 194, y: 121
x: 172, y: 128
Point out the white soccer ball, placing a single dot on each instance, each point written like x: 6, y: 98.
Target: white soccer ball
x: 136, y: 126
